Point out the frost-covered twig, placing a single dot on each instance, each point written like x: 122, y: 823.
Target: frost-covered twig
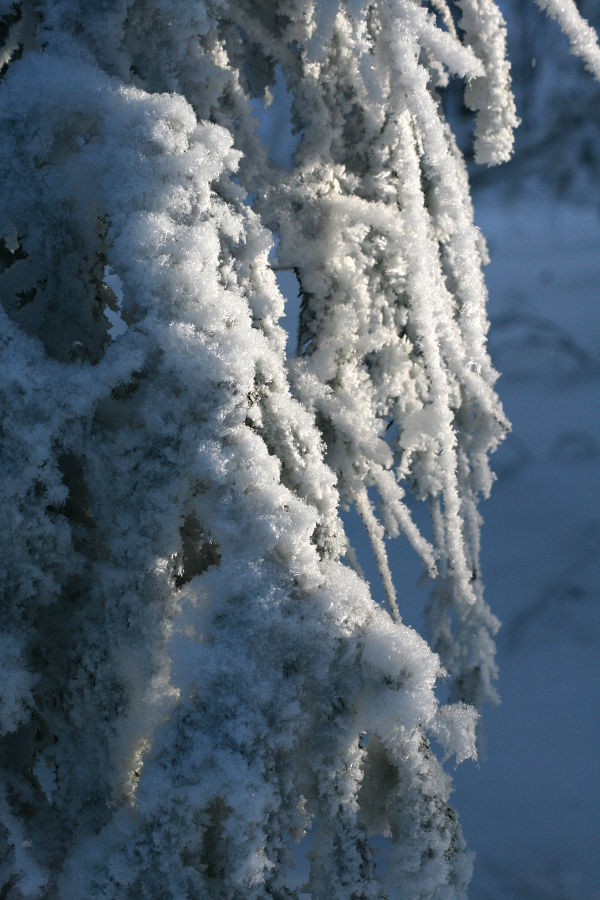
x: 582, y: 37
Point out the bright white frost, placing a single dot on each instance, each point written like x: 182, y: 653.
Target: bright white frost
x: 189, y: 673
x: 583, y: 38
x: 490, y: 96
x: 392, y: 328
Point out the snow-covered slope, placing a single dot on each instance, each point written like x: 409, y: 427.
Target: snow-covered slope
x: 530, y: 809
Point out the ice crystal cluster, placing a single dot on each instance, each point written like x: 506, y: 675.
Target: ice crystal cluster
x: 193, y: 672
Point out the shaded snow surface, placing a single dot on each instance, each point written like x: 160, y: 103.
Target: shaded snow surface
x: 529, y: 809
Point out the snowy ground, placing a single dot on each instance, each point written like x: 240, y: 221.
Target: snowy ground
x: 530, y: 809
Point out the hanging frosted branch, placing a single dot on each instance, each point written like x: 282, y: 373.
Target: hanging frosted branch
x: 489, y: 95
x: 172, y: 529
x: 582, y: 37
x: 393, y: 319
